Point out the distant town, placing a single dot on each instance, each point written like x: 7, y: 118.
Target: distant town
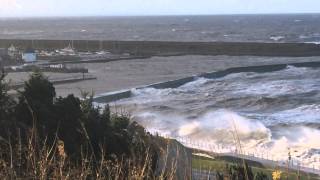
x: 61, y: 63
x: 15, y: 59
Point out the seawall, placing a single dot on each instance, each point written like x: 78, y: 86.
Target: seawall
x: 167, y: 48
x: 114, y: 96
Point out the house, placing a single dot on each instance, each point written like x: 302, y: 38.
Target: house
x: 12, y: 51
x: 29, y: 55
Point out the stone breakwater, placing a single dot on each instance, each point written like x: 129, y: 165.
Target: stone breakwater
x: 168, y: 48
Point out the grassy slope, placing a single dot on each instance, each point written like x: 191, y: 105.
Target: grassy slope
x: 219, y: 164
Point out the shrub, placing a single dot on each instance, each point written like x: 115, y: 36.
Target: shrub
x: 65, y: 137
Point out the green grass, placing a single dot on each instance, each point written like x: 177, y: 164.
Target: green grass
x: 219, y: 164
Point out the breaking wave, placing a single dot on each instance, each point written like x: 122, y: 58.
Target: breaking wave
x: 269, y: 112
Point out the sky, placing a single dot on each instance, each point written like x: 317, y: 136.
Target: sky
x: 34, y: 8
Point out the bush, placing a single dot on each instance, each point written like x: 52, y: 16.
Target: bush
x: 239, y: 172
x: 67, y: 137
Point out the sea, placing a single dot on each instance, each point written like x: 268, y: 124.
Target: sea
x: 267, y: 115
x: 273, y: 114
x: 229, y: 28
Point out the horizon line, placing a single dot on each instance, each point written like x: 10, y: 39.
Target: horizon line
x: 157, y: 15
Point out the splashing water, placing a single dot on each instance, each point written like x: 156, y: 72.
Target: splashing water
x: 271, y: 113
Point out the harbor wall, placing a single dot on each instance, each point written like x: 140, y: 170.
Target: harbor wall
x: 115, y: 96
x: 165, y: 48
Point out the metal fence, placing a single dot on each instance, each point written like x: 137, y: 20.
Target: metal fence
x: 306, y: 165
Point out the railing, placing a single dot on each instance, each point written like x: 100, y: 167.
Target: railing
x: 306, y: 165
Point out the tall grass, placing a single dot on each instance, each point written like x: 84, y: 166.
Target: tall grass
x: 40, y: 161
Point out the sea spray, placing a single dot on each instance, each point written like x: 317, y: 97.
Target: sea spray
x: 218, y: 125
x: 272, y: 113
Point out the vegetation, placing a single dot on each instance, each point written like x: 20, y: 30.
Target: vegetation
x: 43, y: 136
x: 231, y: 168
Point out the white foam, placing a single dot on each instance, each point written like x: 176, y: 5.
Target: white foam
x: 313, y: 42
x: 277, y: 38
x: 296, y: 70
x: 215, y: 131
x: 302, y: 143
x: 143, y: 96
x: 195, y: 113
x: 304, y: 37
x: 278, y: 87
x: 302, y: 114
x: 195, y: 84
x: 221, y: 126
x: 189, y: 128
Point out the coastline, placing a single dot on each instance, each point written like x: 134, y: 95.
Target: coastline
x: 128, y: 74
x: 173, y: 48
x: 123, y: 94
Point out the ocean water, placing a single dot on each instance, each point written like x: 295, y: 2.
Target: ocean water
x: 241, y: 28
x: 273, y: 113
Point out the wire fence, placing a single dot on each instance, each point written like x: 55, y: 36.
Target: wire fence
x: 310, y: 165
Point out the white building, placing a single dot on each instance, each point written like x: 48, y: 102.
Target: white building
x: 29, y: 55
x: 12, y: 51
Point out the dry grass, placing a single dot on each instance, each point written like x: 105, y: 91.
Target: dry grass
x: 36, y: 161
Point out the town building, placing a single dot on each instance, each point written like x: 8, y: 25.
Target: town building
x: 14, y: 53
x: 12, y: 50
x: 29, y: 55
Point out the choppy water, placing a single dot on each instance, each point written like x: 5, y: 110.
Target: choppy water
x: 270, y: 111
x: 242, y: 28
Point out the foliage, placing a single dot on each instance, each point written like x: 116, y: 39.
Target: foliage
x: 239, y: 172
x: 70, y: 129
x: 7, y: 105
x: 47, y: 137
x: 261, y: 176
x: 219, y: 176
x: 35, y: 106
x: 38, y: 89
